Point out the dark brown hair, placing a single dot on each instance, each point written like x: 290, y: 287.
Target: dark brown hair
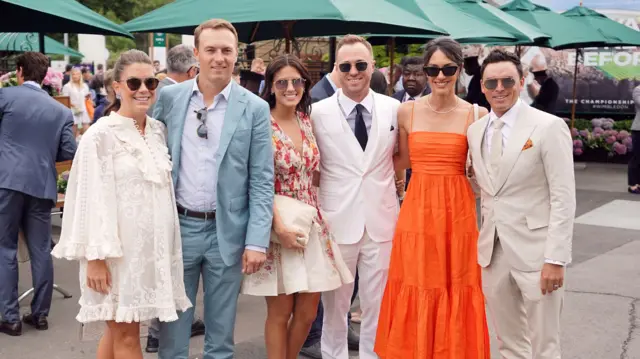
x: 449, y: 47
x: 213, y: 24
x: 127, y: 58
x: 34, y: 66
x: 280, y: 62
x: 499, y: 55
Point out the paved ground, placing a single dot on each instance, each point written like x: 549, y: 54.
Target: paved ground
x: 601, y: 319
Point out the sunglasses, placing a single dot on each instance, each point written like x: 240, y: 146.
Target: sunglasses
x: 360, y: 66
x: 283, y: 85
x: 492, y: 84
x: 134, y: 83
x: 433, y: 71
x: 202, y: 130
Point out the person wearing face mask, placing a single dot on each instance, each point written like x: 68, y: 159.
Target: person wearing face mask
x: 356, y: 131
x: 522, y: 159
x: 544, y: 90
x: 120, y: 219
x: 433, y: 305
x: 302, y: 260
x: 220, y: 141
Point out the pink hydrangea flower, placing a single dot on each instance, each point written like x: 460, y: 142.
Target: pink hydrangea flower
x: 577, y: 151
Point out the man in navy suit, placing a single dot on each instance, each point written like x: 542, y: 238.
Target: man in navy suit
x: 35, y: 133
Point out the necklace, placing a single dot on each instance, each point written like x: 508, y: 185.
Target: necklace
x: 442, y: 112
x: 135, y: 123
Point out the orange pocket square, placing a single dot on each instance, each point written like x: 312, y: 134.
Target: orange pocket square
x: 527, y: 145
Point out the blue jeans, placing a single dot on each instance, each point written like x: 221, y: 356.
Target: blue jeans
x: 221, y: 284
x: 316, y: 328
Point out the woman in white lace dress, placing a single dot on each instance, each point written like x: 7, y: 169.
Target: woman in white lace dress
x: 78, y: 92
x: 120, y: 218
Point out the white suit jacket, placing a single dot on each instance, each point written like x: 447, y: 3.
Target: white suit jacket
x: 531, y: 204
x: 357, y: 188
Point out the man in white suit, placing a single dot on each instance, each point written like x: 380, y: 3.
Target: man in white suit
x: 523, y: 162
x: 356, y: 130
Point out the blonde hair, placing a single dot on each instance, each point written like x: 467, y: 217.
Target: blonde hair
x: 213, y: 24
x: 352, y: 40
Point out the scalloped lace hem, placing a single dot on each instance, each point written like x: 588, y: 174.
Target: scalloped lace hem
x: 76, y: 251
x: 105, y: 312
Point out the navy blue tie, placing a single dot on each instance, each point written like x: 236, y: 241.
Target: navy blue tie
x: 361, y: 128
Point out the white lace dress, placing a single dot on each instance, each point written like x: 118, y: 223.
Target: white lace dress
x: 120, y: 206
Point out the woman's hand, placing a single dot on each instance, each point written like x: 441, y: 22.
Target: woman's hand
x: 98, y: 276
x: 289, y: 239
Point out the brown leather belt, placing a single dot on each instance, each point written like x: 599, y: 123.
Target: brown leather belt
x: 196, y: 214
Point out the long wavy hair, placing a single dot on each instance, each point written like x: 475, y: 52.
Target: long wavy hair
x: 280, y: 62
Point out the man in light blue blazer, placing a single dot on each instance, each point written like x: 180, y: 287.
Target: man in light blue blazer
x: 219, y: 138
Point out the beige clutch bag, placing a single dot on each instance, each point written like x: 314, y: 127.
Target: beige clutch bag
x: 295, y: 215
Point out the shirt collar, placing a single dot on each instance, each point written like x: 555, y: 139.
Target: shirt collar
x: 407, y: 96
x: 171, y: 80
x: 225, y: 92
x: 32, y: 83
x: 509, y: 117
x: 348, y: 104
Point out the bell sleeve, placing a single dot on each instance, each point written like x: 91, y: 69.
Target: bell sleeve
x: 90, y: 221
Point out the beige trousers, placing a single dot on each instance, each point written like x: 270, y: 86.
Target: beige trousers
x: 527, y: 323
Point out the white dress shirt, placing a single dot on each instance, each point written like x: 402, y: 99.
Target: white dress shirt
x: 407, y: 97
x: 349, y: 107
x: 32, y: 83
x: 198, y: 177
x: 509, y: 119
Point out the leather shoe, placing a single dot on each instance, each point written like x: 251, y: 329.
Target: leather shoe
x: 197, y: 328
x: 39, y: 323
x: 152, y: 344
x: 353, y: 339
x: 13, y: 329
x: 312, y: 351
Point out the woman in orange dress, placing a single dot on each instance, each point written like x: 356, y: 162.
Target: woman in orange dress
x: 433, y: 306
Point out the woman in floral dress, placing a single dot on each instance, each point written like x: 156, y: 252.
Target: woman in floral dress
x: 294, y: 275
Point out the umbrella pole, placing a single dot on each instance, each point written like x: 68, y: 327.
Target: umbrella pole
x: 575, y: 82
x: 288, y: 31
x: 392, y: 53
x: 41, y: 42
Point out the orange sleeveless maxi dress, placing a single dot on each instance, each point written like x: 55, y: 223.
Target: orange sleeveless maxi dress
x: 433, y: 306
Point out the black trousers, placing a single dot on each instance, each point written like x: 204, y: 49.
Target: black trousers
x: 33, y: 216
x: 634, y: 163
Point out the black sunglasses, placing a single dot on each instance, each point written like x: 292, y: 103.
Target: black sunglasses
x: 433, y: 71
x: 134, y: 83
x: 360, y: 66
x: 202, y: 130
x: 492, y: 84
x: 282, y: 85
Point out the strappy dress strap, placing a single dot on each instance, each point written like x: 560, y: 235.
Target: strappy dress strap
x: 471, y: 119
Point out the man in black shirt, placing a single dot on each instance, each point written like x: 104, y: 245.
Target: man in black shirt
x: 544, y: 90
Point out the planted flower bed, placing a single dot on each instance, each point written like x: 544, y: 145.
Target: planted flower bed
x: 601, y: 140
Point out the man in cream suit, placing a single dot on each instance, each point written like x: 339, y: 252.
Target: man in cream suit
x: 522, y: 160
x: 356, y: 130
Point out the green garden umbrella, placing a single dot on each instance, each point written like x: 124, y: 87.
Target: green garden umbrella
x: 55, y: 16
x: 615, y: 33
x: 566, y: 33
x: 28, y: 41
x: 257, y: 20
x: 43, y: 16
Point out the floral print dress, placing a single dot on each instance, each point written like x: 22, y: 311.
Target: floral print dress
x: 319, y: 267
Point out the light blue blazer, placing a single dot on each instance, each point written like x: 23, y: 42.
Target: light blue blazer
x: 245, y: 188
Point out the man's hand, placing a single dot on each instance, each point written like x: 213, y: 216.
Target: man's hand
x: 252, y: 260
x: 552, y: 278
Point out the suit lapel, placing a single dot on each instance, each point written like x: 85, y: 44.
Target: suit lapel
x: 519, y: 136
x: 235, y: 108
x: 178, y: 117
x: 374, y: 134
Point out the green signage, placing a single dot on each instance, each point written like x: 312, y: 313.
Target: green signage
x: 159, y: 39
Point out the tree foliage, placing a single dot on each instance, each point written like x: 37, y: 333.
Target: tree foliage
x: 120, y: 11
